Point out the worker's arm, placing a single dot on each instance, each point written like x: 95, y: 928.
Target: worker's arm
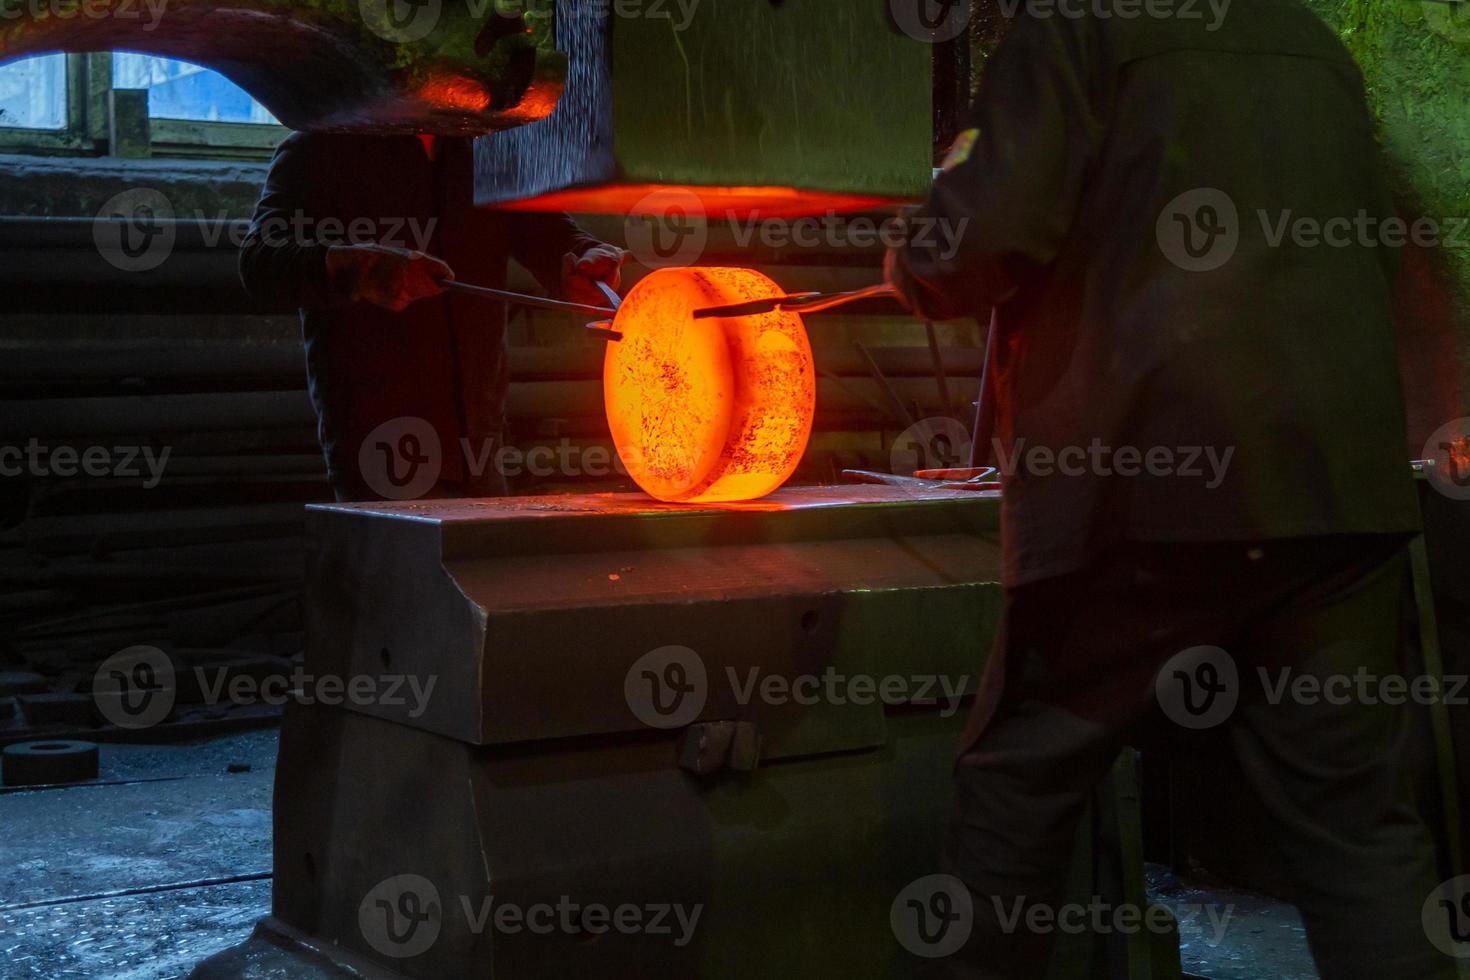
x: 565, y: 260
x: 1005, y: 202
x: 282, y: 263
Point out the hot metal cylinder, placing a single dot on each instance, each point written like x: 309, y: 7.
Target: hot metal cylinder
x: 708, y: 410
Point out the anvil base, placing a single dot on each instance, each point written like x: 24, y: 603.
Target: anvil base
x: 654, y: 743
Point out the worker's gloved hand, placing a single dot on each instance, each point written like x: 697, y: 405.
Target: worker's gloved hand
x: 580, y: 276
x: 386, y: 276
x: 895, y: 271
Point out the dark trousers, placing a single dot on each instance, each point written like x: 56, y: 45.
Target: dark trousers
x: 1074, y: 676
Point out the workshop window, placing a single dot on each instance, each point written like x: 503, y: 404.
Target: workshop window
x: 61, y: 103
x: 33, y: 93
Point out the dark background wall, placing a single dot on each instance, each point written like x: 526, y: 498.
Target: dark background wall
x: 177, y: 358
x: 207, y: 562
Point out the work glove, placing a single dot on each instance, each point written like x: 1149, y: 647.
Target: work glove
x: 385, y: 276
x: 580, y: 275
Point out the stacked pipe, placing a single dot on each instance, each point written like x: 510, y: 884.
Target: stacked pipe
x: 154, y: 471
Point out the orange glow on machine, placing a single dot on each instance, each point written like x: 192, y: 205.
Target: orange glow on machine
x: 447, y: 91
x: 708, y: 410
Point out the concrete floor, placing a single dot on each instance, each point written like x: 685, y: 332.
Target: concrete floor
x: 1260, y: 931
x: 162, y: 861
x: 166, y: 859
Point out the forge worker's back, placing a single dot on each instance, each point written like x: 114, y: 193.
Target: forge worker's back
x: 442, y: 360
x: 1120, y: 203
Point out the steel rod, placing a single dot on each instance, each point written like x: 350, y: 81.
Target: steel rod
x: 526, y: 299
x: 985, y: 405
x: 797, y: 302
x: 938, y: 358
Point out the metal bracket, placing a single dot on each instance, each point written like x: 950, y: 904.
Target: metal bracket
x: 603, y: 330
x: 711, y: 746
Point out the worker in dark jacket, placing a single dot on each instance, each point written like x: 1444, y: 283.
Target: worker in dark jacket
x: 1202, y: 442
x: 408, y: 382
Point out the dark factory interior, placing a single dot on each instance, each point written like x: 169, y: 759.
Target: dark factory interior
x: 718, y: 489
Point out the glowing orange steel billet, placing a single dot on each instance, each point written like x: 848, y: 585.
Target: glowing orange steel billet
x: 703, y: 411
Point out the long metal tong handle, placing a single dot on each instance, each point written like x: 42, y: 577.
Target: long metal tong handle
x: 526, y: 299
x: 797, y: 302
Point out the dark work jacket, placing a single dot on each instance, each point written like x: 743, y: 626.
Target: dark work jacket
x: 443, y: 359
x: 1089, y: 128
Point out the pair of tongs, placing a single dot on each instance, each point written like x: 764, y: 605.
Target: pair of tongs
x: 797, y: 302
x: 602, y: 328
x: 540, y: 302
x: 790, y: 303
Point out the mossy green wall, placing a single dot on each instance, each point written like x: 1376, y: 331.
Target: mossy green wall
x: 1415, y: 56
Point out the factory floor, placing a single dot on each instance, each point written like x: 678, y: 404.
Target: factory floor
x: 166, y: 859
x: 161, y: 861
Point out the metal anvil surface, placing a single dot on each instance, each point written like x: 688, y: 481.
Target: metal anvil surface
x: 531, y: 611
x: 432, y: 66
x: 584, y: 653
